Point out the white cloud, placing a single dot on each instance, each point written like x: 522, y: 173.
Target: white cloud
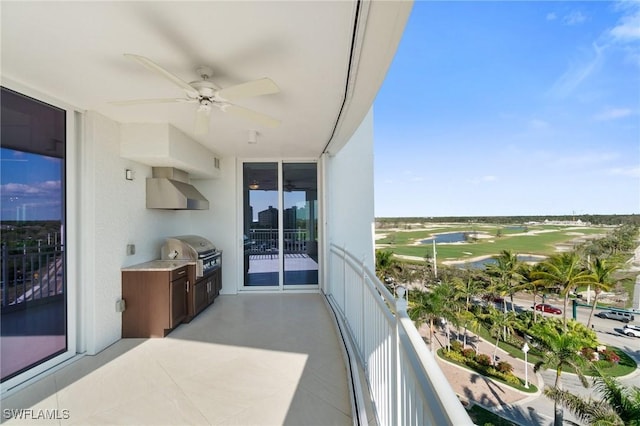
x: 23, y: 190
x: 551, y: 16
x: 538, y: 124
x: 577, y: 73
x: 628, y: 27
x: 481, y: 179
x: 574, y: 18
x: 613, y: 114
x: 626, y: 171
x: 586, y: 159
x: 626, y: 32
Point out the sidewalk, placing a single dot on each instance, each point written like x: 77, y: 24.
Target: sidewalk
x: 498, y: 397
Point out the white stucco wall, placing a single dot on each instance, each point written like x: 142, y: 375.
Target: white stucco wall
x: 350, y: 196
x: 219, y: 223
x: 113, y: 214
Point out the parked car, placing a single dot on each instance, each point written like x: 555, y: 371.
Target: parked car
x: 544, y: 307
x: 631, y: 330
x: 616, y: 315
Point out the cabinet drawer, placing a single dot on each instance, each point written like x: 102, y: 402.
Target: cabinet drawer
x: 179, y: 273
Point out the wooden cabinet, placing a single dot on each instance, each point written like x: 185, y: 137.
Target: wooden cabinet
x: 205, y: 290
x: 156, y: 301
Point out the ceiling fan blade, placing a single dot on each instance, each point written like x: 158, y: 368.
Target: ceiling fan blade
x: 251, y: 115
x: 202, y: 120
x: 151, y: 101
x: 149, y: 64
x: 264, y: 86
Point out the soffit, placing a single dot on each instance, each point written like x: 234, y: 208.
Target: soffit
x: 73, y: 51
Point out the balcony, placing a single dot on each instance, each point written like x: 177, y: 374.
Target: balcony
x: 248, y: 359
x: 263, y: 359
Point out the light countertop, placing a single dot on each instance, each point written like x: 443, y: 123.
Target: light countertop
x: 159, y: 265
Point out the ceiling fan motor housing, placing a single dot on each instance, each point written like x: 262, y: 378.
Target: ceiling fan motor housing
x: 205, y: 88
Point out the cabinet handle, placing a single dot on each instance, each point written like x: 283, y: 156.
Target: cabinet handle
x: 187, y: 286
x: 182, y: 272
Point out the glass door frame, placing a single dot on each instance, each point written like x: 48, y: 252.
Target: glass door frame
x: 71, y: 208
x: 314, y: 288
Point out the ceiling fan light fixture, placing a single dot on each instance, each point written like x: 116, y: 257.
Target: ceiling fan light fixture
x: 254, y: 185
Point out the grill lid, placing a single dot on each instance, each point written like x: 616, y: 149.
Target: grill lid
x: 200, y: 244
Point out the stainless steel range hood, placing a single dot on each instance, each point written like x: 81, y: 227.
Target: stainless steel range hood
x: 169, y: 189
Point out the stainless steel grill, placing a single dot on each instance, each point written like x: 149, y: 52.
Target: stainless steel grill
x: 195, y: 248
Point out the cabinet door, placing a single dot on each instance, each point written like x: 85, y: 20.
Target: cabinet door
x: 201, y: 296
x: 178, y: 301
x: 218, y: 281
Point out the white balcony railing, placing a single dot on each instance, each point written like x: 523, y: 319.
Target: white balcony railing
x: 405, y: 383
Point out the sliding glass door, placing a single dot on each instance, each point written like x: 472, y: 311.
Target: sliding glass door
x: 300, y: 224
x: 33, y: 286
x: 280, y: 225
x: 261, y: 218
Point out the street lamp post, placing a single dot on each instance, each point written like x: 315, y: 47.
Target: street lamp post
x: 525, y: 349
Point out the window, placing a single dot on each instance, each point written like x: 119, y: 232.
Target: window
x: 33, y: 284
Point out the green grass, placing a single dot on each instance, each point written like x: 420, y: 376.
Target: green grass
x: 542, y: 244
x: 531, y: 389
x: 626, y: 365
x: 483, y: 417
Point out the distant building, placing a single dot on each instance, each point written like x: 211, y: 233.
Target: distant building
x: 268, y: 218
x: 290, y: 218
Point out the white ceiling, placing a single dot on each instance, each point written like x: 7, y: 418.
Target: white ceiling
x: 73, y: 51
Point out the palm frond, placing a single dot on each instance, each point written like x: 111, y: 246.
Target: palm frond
x: 588, y: 410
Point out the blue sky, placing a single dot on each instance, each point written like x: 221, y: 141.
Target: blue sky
x: 511, y: 108
x: 31, y: 186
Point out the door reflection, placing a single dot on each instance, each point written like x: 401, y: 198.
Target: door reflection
x: 300, y: 223
x: 261, y: 248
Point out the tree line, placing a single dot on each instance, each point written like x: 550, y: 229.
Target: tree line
x: 594, y: 219
x: 467, y: 299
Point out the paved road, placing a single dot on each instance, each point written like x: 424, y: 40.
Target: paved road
x: 539, y: 410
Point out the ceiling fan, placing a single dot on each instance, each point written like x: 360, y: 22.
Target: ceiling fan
x: 207, y: 94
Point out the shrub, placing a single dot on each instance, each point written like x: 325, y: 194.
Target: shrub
x: 611, y: 356
x: 588, y: 353
x: 504, y: 367
x: 469, y: 353
x: 455, y: 356
x: 456, y: 346
x: 511, y: 379
x: 483, y: 359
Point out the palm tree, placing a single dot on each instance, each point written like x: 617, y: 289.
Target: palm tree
x: 619, y: 405
x: 530, y: 282
x: 564, y: 271
x: 386, y: 264
x: 506, y: 273
x: 602, y: 271
x: 467, y: 289
x: 501, y: 322
x: 426, y: 306
x: 561, y: 350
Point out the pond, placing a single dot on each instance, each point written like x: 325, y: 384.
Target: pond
x: 480, y: 264
x: 450, y: 237
x: 515, y: 228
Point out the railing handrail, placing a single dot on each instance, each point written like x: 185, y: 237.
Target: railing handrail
x: 420, y: 393
x: 386, y: 294
x: 35, y: 274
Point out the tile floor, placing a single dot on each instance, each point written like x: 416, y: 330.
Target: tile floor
x: 246, y: 360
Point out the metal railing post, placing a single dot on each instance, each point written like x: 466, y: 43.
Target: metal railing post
x: 344, y: 282
x: 401, y: 308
